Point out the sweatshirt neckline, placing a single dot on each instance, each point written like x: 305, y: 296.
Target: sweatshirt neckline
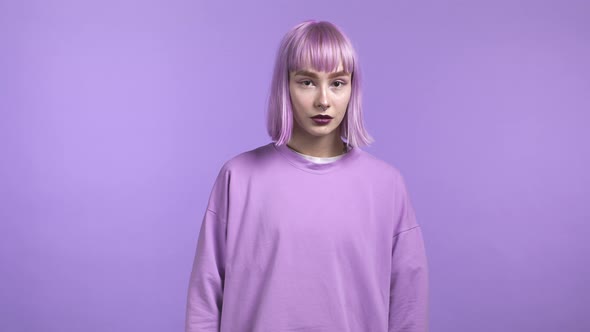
x: 307, y: 165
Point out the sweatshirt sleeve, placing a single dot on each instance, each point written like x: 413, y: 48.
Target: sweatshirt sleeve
x: 206, y: 283
x: 408, y: 301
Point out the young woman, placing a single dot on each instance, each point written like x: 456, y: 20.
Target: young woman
x: 309, y: 232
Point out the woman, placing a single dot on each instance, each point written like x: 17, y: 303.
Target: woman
x: 309, y: 232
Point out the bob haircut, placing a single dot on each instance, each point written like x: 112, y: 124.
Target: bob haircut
x: 321, y: 46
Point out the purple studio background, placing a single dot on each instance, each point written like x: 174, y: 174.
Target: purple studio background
x: 117, y: 115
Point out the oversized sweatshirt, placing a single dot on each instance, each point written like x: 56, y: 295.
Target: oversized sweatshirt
x: 286, y: 244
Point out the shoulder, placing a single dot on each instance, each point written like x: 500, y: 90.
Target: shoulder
x: 376, y: 166
x: 248, y: 160
x: 232, y: 176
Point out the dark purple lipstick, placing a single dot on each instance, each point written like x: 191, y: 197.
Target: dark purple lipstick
x: 322, y: 119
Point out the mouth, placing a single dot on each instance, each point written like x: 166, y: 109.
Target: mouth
x: 321, y: 116
x: 322, y: 120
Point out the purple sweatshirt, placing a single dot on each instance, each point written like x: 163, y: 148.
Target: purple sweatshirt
x: 287, y: 244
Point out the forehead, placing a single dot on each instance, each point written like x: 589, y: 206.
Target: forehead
x: 307, y: 71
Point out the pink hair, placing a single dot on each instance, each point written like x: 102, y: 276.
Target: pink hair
x: 323, y: 46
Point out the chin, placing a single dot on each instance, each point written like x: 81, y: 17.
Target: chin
x: 320, y: 133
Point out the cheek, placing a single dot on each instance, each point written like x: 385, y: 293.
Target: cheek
x: 343, y: 102
x: 299, y: 98
x: 296, y: 105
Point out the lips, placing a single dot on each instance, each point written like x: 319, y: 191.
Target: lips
x: 321, y: 116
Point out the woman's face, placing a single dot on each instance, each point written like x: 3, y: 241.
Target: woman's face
x: 314, y: 93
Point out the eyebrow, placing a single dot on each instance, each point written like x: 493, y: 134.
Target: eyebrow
x: 310, y: 74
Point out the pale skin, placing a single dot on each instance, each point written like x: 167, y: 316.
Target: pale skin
x: 312, y: 93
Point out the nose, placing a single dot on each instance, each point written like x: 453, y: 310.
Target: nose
x: 322, y: 99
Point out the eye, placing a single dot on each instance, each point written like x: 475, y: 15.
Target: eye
x: 305, y: 81
x: 340, y: 84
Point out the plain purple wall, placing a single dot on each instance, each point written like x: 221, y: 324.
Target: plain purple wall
x: 116, y: 117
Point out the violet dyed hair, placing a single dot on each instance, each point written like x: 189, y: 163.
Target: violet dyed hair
x: 322, y: 46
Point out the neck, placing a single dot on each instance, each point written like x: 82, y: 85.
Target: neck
x: 322, y: 147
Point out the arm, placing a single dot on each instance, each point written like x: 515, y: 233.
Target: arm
x: 408, y: 301
x: 409, y: 289
x: 205, y: 292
